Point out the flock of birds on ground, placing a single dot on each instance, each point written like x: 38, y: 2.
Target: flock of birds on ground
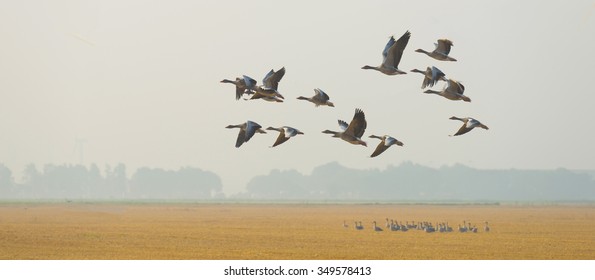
x: 353, y: 132
x: 392, y: 225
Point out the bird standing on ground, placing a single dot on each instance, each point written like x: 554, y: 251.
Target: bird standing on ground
x: 391, y: 55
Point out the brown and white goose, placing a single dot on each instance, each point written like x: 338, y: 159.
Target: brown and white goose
x: 391, y: 55
x: 244, y: 85
x: 285, y: 132
x: 385, y: 143
x: 319, y: 99
x: 247, y: 130
x: 353, y: 132
x: 453, y: 90
x: 468, y: 125
x: 441, y: 52
x: 269, y: 89
x: 431, y: 76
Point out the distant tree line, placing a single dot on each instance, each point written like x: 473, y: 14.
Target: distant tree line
x: 412, y: 182
x: 79, y: 182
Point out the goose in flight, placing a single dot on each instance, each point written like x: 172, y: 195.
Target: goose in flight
x: 453, y: 90
x: 244, y: 85
x: 247, y: 130
x: 268, y: 90
x: 431, y: 76
x: 468, y: 125
x: 285, y: 132
x: 391, y: 55
x: 385, y: 143
x: 353, y: 132
x: 320, y: 98
x: 441, y: 51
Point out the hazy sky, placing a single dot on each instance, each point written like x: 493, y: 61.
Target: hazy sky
x: 139, y: 81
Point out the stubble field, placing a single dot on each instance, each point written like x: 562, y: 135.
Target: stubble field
x: 290, y: 231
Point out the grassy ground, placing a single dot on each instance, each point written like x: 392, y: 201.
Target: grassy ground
x: 248, y: 231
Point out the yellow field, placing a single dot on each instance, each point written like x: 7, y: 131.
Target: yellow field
x: 249, y: 231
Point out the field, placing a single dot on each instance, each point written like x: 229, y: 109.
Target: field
x: 290, y: 231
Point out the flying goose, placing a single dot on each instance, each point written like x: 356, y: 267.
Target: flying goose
x: 385, y: 143
x: 247, y: 130
x: 431, y: 76
x: 441, y: 51
x: 453, y: 90
x: 285, y: 132
x: 268, y: 90
x: 244, y: 85
x: 391, y: 55
x: 468, y: 125
x: 353, y: 132
x: 320, y: 98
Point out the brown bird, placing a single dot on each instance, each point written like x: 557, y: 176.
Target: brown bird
x: 320, y: 98
x: 468, y: 125
x: 453, y: 90
x: 285, y: 132
x: 247, y: 130
x: 385, y: 143
x: 391, y: 55
x: 353, y: 132
x: 431, y: 76
x: 441, y: 51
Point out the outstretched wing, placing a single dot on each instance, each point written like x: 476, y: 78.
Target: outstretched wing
x: 395, y: 50
x: 443, y: 46
x: 379, y: 149
x: 272, y: 79
x: 358, y: 124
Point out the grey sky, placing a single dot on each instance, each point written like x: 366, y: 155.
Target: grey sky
x: 139, y: 80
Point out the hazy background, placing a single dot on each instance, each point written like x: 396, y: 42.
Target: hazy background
x: 139, y: 82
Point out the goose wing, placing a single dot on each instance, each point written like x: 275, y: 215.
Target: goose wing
x: 281, y: 138
x: 436, y: 75
x: 320, y: 95
x: 249, y: 82
x: 343, y: 125
x: 272, y: 79
x: 358, y: 124
x: 395, y: 50
x: 379, y: 149
x: 443, y: 46
x: 466, y: 127
x: 251, y: 128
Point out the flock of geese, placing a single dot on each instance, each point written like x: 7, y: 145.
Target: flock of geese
x: 353, y: 131
x: 392, y: 225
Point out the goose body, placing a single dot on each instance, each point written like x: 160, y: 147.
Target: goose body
x: 453, y: 90
x: 247, y: 130
x: 391, y: 55
x: 385, y: 142
x: 285, y: 132
x: 319, y: 99
x: 431, y: 76
x: 353, y: 131
x: 468, y: 125
x: 441, y: 51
